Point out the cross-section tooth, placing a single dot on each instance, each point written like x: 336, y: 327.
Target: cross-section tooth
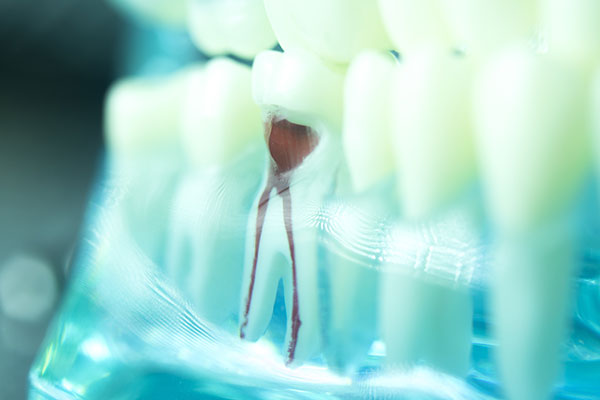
x: 531, y: 123
x: 281, y: 243
x: 238, y: 27
x: 423, y: 320
x: 412, y: 24
x: 336, y: 30
x: 481, y: 27
x: 222, y: 129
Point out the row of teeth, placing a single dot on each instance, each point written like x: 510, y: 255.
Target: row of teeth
x: 518, y: 120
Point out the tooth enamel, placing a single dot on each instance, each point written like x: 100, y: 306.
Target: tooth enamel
x: 296, y: 92
x: 481, y: 27
x: 297, y: 81
x: 336, y: 30
x: 411, y: 24
x: 166, y: 12
x: 366, y: 132
x: 572, y: 29
x: 143, y: 114
x: 221, y: 126
x: 531, y: 123
x: 220, y: 119
x: 238, y: 27
x: 422, y: 320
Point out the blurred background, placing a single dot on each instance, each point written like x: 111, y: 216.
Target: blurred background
x: 57, y: 60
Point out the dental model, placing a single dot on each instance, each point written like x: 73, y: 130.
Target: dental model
x: 206, y: 244
x: 533, y: 155
x: 142, y: 125
x: 238, y: 27
x: 301, y: 101
x: 423, y: 320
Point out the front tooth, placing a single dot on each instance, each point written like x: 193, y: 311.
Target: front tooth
x: 572, y: 29
x: 280, y: 242
x: 239, y: 27
x: 423, y: 320
x: 412, y: 24
x: 531, y: 121
x: 221, y: 124
x: 480, y: 27
x: 366, y: 131
x: 336, y: 30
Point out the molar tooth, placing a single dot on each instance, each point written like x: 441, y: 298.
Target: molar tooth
x: 531, y: 120
x: 366, y: 133
x: 238, y: 27
x: 423, y: 320
x: 280, y: 243
x: 221, y: 126
x: 336, y: 30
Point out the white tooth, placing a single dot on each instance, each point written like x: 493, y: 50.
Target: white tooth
x: 280, y: 242
x: 220, y: 119
x: 221, y: 125
x: 412, y: 24
x: 143, y: 114
x: 238, y: 27
x: 336, y: 30
x: 531, y: 120
x: 423, y: 320
x: 366, y: 132
x: 432, y: 130
x: 572, y: 28
x: 480, y: 27
x: 299, y: 82
x: 166, y: 12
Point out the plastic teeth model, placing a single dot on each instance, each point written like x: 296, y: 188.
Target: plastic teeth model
x: 424, y: 321
x: 534, y: 156
x: 238, y: 27
x: 301, y: 101
x: 205, y: 246
x: 142, y: 124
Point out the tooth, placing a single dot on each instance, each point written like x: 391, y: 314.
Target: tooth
x: 572, y: 29
x: 336, y: 31
x: 167, y: 12
x: 239, y: 27
x: 480, y: 27
x: 221, y: 126
x: 294, y: 90
x: 423, y: 320
x: 531, y: 120
x: 366, y: 134
x: 142, y: 127
x: 412, y: 24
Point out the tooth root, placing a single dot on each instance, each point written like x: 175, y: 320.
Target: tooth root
x: 412, y: 24
x: 230, y: 27
x: 366, y: 131
x: 531, y: 120
x: 336, y: 31
x: 423, y: 320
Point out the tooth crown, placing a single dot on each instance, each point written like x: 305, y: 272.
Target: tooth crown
x: 535, y: 152
x: 307, y: 89
x: 239, y: 27
x: 432, y: 130
x: 366, y: 131
x: 336, y: 30
x: 220, y: 120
